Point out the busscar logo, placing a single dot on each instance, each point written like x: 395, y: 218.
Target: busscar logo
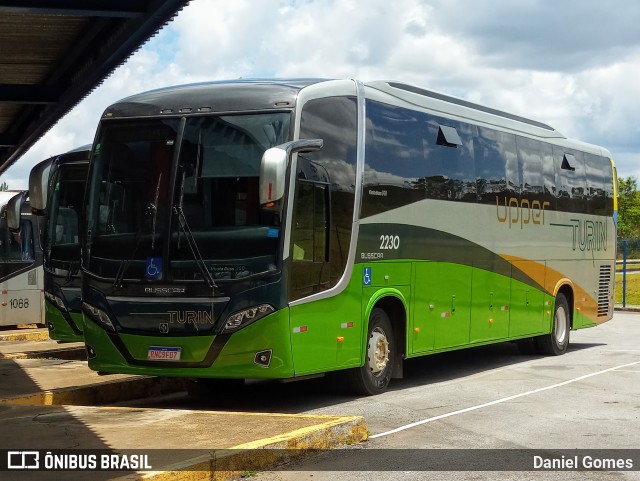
x: 164, y: 327
x: 167, y: 291
x: 23, y: 460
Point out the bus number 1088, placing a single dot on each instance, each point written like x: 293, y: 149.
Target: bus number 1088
x: 19, y: 303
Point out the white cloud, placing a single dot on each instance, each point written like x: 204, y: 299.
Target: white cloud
x: 559, y: 63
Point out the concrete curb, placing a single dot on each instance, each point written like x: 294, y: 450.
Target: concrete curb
x: 28, y: 335
x: 66, y: 353
x: 627, y: 309
x: 263, y: 454
x: 102, y: 393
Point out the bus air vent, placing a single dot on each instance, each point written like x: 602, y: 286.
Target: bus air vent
x: 568, y: 162
x: 448, y: 136
x: 603, y: 290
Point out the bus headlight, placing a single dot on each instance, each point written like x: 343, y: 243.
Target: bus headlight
x: 98, y: 315
x: 245, y: 317
x: 56, y: 301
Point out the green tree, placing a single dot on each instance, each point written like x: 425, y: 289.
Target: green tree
x: 4, y: 186
x: 628, y: 208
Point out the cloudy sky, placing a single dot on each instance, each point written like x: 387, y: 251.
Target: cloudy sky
x: 574, y: 64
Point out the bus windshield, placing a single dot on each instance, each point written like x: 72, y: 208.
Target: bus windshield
x: 66, y: 199
x: 16, y: 246
x: 149, y: 206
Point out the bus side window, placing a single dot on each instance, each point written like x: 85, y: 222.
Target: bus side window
x: 26, y: 237
x: 311, y: 219
x: 537, y: 181
x: 571, y: 189
x: 310, y: 239
x: 598, y: 179
x: 449, y: 166
x: 334, y: 120
x: 496, y: 166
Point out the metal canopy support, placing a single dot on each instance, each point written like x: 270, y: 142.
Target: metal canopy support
x: 29, y: 94
x: 80, y: 8
x: 100, y: 36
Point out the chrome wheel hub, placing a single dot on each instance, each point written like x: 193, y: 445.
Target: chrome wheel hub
x: 560, y: 325
x: 378, y: 351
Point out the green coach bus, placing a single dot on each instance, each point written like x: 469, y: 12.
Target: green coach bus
x: 288, y: 228
x: 56, y: 190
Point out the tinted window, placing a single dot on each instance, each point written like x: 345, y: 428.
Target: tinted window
x: 535, y: 160
x: 16, y: 246
x: 449, y: 169
x: 66, y: 200
x: 394, y: 157
x: 599, y: 185
x: 334, y: 120
x: 496, y: 165
x: 412, y: 155
x: 571, y: 192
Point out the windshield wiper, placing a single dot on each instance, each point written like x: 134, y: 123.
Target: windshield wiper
x: 74, y: 268
x: 193, y: 246
x: 153, y: 208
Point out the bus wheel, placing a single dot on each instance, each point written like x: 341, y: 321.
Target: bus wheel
x: 374, y: 376
x: 556, y: 343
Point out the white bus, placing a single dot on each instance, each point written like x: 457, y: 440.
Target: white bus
x: 21, y: 279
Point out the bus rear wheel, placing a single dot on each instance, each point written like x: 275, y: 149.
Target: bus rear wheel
x: 557, y: 341
x: 373, y: 378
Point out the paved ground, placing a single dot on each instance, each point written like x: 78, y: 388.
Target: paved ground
x: 496, y: 399
x: 60, y: 404
x: 491, y: 398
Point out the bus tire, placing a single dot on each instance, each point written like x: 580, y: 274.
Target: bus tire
x: 373, y: 378
x: 557, y: 342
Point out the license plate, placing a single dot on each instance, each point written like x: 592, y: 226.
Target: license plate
x: 161, y: 353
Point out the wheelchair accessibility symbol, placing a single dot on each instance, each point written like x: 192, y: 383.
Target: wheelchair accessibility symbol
x: 154, y: 268
x: 367, y: 276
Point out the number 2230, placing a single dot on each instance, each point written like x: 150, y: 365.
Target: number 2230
x: 388, y: 242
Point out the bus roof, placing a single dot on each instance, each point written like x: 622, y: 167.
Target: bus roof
x: 223, y: 96
x: 478, y: 114
x: 6, y: 195
x: 267, y: 94
x: 463, y: 108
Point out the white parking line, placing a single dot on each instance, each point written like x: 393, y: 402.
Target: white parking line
x: 499, y: 401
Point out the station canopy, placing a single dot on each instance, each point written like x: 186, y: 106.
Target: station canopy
x: 53, y: 53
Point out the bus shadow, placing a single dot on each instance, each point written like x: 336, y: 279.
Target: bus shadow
x: 29, y: 427
x: 579, y: 346
x: 448, y: 366
x: 313, y: 394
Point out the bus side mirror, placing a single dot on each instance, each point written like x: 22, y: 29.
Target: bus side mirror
x: 273, y: 169
x: 14, y: 207
x: 39, y: 186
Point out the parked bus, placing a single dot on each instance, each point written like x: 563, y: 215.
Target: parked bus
x: 56, y: 188
x: 21, y: 300
x: 280, y: 229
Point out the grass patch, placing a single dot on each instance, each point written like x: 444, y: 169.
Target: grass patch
x: 633, y: 289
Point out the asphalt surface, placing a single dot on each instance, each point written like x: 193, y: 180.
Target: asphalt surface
x: 498, y: 400
x: 493, y: 399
